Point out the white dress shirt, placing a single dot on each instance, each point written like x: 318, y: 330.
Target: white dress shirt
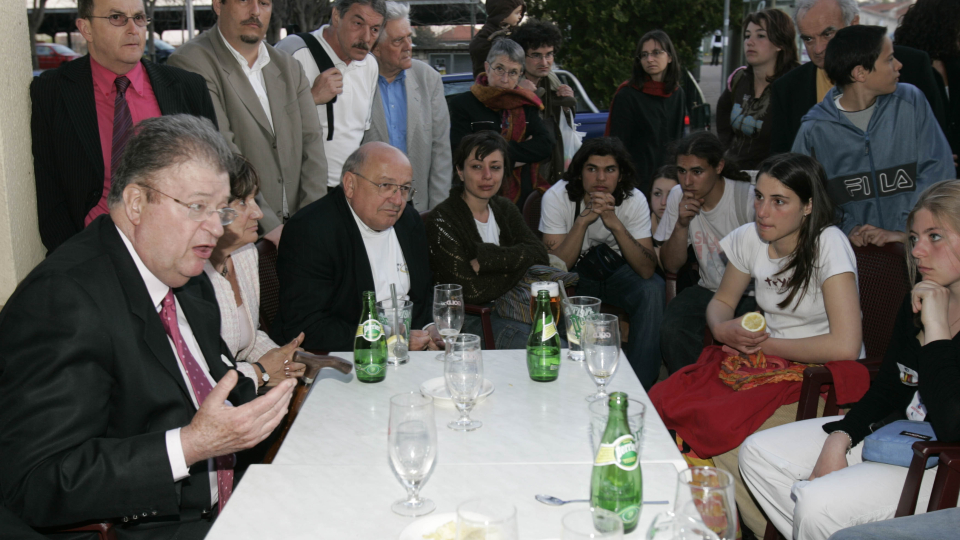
x: 158, y: 290
x: 254, y: 73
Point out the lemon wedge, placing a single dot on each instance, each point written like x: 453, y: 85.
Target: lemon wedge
x: 754, y: 322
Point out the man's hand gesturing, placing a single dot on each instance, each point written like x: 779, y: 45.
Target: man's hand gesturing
x: 219, y: 429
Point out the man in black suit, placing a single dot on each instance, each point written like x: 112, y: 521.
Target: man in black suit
x: 362, y: 236
x: 113, y: 376
x: 794, y: 93
x: 76, y: 107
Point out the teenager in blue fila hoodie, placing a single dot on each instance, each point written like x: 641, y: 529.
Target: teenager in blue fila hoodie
x: 878, y: 140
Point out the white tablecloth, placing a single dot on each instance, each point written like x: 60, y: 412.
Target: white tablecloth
x: 332, y: 479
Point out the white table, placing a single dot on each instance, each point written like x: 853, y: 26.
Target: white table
x: 331, y: 478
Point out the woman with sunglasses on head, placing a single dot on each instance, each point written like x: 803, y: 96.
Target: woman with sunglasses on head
x: 647, y: 111
x: 497, y: 103
x: 810, y: 477
x: 743, y: 111
x: 234, y: 271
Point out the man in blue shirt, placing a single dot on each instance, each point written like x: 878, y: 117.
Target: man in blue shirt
x: 410, y: 111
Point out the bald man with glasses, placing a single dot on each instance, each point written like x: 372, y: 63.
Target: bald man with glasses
x: 363, y: 236
x: 85, y: 111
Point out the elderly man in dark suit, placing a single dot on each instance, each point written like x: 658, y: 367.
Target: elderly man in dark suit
x: 362, y: 236
x: 794, y: 93
x: 84, y: 113
x: 115, y: 382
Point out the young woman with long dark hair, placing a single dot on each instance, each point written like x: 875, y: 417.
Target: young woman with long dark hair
x: 647, y: 111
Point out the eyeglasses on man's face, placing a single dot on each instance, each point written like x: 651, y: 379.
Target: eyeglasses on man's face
x: 655, y: 53
x: 539, y: 57
x: 200, y: 212
x: 500, y: 72
x: 387, y: 190
x: 120, y: 20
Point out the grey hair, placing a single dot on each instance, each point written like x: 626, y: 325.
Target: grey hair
x: 380, y: 6
x: 164, y: 142
x: 506, y: 47
x: 849, y: 8
x: 395, y: 12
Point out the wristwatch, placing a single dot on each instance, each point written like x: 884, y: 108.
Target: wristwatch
x: 263, y: 372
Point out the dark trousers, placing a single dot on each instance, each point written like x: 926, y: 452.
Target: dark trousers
x: 684, y: 322
x: 716, y: 56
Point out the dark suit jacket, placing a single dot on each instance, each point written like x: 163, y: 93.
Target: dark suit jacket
x: 794, y: 93
x: 67, y: 157
x: 323, y: 270
x: 89, y: 384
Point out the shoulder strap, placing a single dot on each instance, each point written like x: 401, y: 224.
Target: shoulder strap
x: 741, y: 191
x: 735, y: 77
x: 324, y: 62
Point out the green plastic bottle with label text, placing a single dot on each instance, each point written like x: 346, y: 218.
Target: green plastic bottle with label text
x: 543, y: 345
x: 617, y: 482
x: 370, y: 343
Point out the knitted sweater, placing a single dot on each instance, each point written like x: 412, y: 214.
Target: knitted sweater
x: 455, y: 241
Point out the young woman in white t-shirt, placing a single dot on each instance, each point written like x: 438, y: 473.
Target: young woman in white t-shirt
x: 802, y: 265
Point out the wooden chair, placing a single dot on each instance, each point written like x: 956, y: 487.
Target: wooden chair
x: 531, y: 212
x: 269, y: 283
x: 314, y: 364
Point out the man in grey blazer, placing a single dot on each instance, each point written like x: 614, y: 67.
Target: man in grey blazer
x: 264, y: 108
x: 423, y: 133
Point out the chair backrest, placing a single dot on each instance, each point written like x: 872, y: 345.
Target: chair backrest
x: 269, y: 283
x: 531, y: 212
x: 882, y: 273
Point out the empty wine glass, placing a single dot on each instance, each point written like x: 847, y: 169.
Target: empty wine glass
x: 463, y: 373
x: 491, y: 519
x: 673, y: 526
x: 447, y: 311
x: 600, y: 338
x: 707, y: 493
x: 412, y: 447
x: 592, y: 523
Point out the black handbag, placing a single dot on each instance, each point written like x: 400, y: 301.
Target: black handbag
x: 599, y: 262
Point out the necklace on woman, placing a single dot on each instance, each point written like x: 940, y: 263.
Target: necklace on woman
x: 224, y: 272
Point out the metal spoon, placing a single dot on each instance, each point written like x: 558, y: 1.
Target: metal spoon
x: 554, y: 501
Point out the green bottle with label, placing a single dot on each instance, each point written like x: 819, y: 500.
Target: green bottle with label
x: 617, y: 482
x: 543, y: 345
x: 370, y: 344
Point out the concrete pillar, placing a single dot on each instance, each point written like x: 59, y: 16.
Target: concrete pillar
x: 20, y: 247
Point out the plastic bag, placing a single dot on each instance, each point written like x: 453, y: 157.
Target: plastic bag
x: 572, y: 139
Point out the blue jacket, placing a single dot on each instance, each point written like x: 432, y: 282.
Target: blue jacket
x: 876, y: 177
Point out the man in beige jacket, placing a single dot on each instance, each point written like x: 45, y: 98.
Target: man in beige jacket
x: 264, y: 108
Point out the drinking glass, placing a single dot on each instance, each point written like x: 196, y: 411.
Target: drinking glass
x: 673, y: 526
x: 463, y: 373
x: 447, y: 311
x: 412, y: 447
x: 488, y: 519
x: 707, y: 493
x: 397, y: 347
x: 600, y: 413
x: 576, y: 309
x: 591, y: 523
x: 601, y: 348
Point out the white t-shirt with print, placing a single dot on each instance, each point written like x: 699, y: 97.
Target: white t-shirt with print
x: 749, y: 254
x: 386, y: 259
x: 707, y: 229
x: 353, y: 110
x: 489, y: 231
x: 556, y: 217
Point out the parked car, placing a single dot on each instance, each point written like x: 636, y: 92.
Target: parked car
x: 591, y: 120
x: 54, y: 55
x: 163, y: 50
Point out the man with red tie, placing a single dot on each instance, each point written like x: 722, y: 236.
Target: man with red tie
x: 84, y: 113
x: 118, y: 400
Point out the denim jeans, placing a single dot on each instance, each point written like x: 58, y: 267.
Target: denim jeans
x: 684, y: 322
x: 940, y: 524
x: 507, y: 333
x: 643, y: 300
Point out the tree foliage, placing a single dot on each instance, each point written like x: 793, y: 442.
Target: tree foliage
x: 600, y: 38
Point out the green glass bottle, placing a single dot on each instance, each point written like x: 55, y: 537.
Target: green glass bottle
x: 370, y: 344
x: 617, y: 482
x: 543, y: 345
